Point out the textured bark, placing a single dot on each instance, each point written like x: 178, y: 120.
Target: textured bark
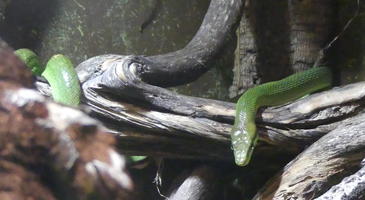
x: 278, y: 38
x: 311, y: 24
x: 245, y: 73
x: 19, y: 183
x: 202, y: 184
x: 350, y: 188
x: 12, y: 70
x: 43, y: 142
x: 182, y: 123
x: 289, y: 127
x: 333, y: 157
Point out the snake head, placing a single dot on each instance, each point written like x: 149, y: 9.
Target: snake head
x: 244, y: 139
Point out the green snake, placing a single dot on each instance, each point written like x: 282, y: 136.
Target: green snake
x: 65, y: 85
x: 60, y: 74
x: 243, y: 134
x: 62, y: 77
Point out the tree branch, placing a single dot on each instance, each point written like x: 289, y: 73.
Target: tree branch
x: 181, y: 123
x: 350, y: 188
x: 189, y: 63
x: 324, y: 163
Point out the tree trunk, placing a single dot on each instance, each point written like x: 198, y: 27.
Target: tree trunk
x: 279, y: 38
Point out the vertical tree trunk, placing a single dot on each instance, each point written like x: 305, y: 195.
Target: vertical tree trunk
x: 245, y: 62
x: 277, y: 38
x: 311, y: 23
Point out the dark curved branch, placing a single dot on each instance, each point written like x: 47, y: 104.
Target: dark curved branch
x: 196, y: 57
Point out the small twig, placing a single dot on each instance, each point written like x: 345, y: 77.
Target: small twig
x: 339, y: 35
x: 79, y: 4
x: 158, y: 180
x: 345, y: 27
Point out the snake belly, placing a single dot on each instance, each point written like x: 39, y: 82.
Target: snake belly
x: 60, y: 74
x: 243, y: 134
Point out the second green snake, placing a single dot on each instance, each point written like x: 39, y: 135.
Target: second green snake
x: 243, y: 133
x: 60, y: 74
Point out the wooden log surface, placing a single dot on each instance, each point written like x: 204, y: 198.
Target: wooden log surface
x: 333, y: 157
x: 350, y: 188
x: 202, y: 183
x: 164, y: 117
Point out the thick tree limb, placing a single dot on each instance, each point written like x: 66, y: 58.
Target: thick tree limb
x: 164, y: 117
x: 350, y: 188
x: 189, y: 63
x: 196, y: 57
x: 327, y: 161
x: 202, y: 184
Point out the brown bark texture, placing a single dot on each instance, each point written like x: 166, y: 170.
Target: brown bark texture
x: 50, y: 151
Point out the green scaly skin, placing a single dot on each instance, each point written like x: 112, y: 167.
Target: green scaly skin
x: 31, y: 60
x: 60, y: 74
x: 243, y: 133
x: 65, y: 85
x: 62, y: 77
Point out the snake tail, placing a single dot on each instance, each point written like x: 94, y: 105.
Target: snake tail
x: 31, y: 60
x: 243, y: 134
x: 63, y: 79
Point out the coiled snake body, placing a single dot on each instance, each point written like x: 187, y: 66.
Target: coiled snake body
x: 60, y: 74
